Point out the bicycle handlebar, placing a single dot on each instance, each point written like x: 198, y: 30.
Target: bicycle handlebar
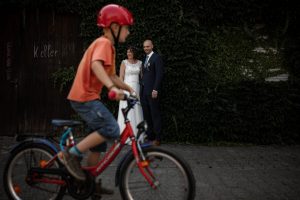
x: 131, y: 99
x: 112, y: 96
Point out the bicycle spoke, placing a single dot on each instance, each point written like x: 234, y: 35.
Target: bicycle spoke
x: 170, y: 177
x: 20, y: 187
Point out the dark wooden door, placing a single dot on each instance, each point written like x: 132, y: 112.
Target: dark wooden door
x: 9, y: 61
x: 38, y: 43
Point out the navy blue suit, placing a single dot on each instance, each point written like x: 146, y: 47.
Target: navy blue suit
x: 151, y: 79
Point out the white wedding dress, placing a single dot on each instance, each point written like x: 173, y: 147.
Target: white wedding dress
x: 131, y: 78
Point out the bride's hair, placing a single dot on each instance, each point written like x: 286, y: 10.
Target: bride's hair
x: 133, y: 50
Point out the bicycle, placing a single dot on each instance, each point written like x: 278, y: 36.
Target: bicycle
x: 33, y: 170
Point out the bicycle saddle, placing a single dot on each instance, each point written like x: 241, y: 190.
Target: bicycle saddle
x: 63, y: 122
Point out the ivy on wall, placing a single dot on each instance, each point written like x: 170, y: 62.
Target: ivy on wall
x: 217, y: 55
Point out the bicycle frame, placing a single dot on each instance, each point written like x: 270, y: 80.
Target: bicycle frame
x: 115, y: 150
x: 112, y: 152
x: 140, y: 170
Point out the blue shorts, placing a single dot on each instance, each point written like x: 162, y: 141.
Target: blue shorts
x: 98, y: 118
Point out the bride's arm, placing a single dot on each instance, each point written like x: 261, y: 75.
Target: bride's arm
x: 122, y: 71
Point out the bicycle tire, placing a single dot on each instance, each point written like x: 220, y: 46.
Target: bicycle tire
x: 17, y: 166
x: 175, y: 177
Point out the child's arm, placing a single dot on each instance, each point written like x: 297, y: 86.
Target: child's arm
x: 100, y: 73
x: 120, y: 84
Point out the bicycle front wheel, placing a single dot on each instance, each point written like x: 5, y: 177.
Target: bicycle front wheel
x: 172, y: 175
x: 15, y: 178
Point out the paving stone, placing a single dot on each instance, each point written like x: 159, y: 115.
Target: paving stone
x: 222, y: 173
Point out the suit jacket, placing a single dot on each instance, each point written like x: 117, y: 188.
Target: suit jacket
x: 151, y: 74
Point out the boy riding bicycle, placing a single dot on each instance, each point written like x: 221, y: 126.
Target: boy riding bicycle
x: 97, y: 69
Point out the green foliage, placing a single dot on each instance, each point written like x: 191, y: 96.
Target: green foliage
x: 232, y: 56
x: 63, y: 78
x: 256, y: 112
x: 292, y: 56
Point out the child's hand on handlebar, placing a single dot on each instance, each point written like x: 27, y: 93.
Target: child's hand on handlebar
x: 133, y: 93
x: 116, y: 94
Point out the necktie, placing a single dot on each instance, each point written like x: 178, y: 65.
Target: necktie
x: 146, y: 61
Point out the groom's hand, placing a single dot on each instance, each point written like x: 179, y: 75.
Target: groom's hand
x: 154, y: 94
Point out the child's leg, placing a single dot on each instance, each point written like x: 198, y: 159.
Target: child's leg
x: 89, y: 141
x: 102, y: 122
x: 93, y: 158
x: 95, y: 153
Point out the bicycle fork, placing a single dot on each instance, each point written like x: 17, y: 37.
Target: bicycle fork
x: 143, y: 165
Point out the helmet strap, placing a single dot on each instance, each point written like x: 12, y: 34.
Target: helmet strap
x: 116, y: 38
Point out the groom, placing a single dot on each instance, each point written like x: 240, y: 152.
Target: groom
x: 151, y: 78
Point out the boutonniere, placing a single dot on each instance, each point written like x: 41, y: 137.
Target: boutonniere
x: 147, y: 65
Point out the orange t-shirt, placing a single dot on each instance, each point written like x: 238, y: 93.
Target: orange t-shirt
x: 86, y: 85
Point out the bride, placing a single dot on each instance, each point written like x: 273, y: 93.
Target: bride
x: 129, y: 73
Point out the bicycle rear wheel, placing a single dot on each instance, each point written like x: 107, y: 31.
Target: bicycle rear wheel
x: 17, y: 168
x: 173, y: 175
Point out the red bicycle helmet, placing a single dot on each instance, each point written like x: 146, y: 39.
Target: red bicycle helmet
x: 113, y: 13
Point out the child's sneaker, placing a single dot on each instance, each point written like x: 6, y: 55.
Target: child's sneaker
x: 72, y: 164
